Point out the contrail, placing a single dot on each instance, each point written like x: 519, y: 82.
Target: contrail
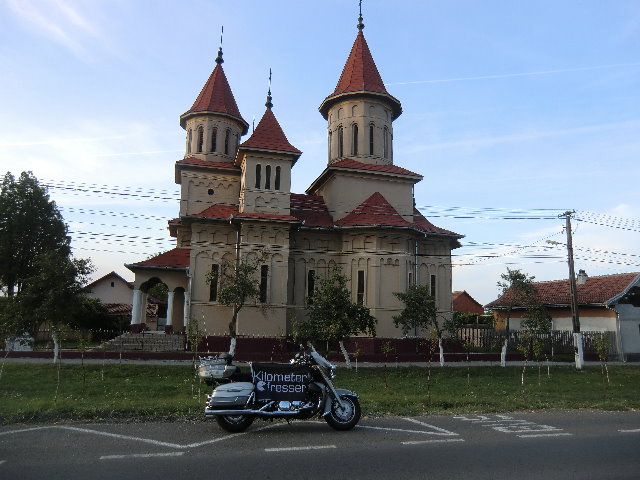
x: 511, y: 75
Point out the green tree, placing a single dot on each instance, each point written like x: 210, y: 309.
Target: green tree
x: 332, y: 316
x: 30, y: 225
x: 53, y: 294
x: 420, y: 313
x: 517, y: 289
x: 239, y: 284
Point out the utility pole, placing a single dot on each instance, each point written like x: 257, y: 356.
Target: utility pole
x: 575, y: 315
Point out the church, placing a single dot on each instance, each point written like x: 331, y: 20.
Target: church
x: 359, y: 214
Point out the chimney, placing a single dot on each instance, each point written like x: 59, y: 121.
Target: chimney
x: 582, y: 277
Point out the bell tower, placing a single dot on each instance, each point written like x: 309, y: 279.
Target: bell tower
x: 360, y: 111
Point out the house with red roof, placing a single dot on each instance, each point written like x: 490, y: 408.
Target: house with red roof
x: 359, y: 214
x: 606, y: 303
x: 462, y: 302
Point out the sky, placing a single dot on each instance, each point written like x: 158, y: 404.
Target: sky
x: 514, y: 112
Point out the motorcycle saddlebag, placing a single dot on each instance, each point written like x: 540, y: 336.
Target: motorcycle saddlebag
x: 234, y: 394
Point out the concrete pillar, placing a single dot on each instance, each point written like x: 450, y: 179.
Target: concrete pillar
x: 136, y: 317
x: 170, y: 296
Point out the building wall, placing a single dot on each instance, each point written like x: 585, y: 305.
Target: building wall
x: 111, y: 290
x: 629, y: 318
x: 597, y: 319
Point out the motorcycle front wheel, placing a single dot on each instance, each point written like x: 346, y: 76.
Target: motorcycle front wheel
x: 234, y: 423
x: 346, y: 417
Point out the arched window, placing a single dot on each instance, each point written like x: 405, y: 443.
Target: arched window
x: 189, y: 141
x: 277, y: 180
x: 200, y: 139
x: 264, y: 277
x: 385, y: 142
x: 214, y: 139
x: 258, y: 175
x: 340, y: 142
x: 267, y: 177
x: 371, y: 131
x: 227, y: 137
x: 354, y: 139
x: 330, y: 139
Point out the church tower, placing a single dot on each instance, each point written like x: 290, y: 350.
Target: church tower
x: 214, y: 126
x: 266, y: 159
x: 360, y: 111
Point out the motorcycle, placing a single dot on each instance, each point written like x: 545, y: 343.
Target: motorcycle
x: 300, y: 389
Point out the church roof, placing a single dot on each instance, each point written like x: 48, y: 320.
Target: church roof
x: 175, y: 259
x: 597, y: 290
x: 356, y: 165
x: 360, y: 76
x: 226, y: 212
x: 310, y: 209
x: 197, y: 162
x: 268, y: 135
x: 348, y: 164
x: 426, y: 226
x: 216, y: 97
x: 374, y: 211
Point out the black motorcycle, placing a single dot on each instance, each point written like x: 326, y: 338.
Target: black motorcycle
x: 299, y: 389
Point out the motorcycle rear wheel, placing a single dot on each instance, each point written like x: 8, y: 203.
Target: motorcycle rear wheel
x: 344, y: 418
x: 234, y: 423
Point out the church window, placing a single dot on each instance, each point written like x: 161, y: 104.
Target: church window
x: 354, y: 139
x: 267, y: 177
x: 258, y: 175
x: 264, y: 276
x: 360, y: 288
x: 433, y: 286
x: 371, y: 132
x: 311, y: 285
x: 227, y: 137
x: 330, y: 139
x: 214, y: 139
x: 410, y: 278
x: 340, y: 142
x: 385, y: 142
x: 214, y: 278
x: 200, y: 139
x: 189, y: 142
x: 277, y: 180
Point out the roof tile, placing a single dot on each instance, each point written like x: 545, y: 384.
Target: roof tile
x: 175, y: 258
x: 268, y: 135
x: 356, y: 165
x: 374, y: 211
x: 597, y: 290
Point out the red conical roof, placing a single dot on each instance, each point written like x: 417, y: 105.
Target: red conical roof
x: 360, y: 76
x: 216, y: 97
x: 268, y: 135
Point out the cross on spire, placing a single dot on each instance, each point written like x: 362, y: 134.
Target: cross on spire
x: 269, y: 105
x: 360, y: 24
x: 219, y: 59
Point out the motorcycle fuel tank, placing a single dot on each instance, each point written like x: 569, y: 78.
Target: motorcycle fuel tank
x: 231, y: 395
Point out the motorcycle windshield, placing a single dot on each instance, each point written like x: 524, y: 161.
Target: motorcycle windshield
x: 277, y: 381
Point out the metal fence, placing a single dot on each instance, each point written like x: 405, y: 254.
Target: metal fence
x: 555, y: 342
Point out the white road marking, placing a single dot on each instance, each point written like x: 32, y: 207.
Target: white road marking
x: 433, y: 427
x: 443, y: 440
x: 295, y: 449
x: 636, y: 430
x: 388, y: 429
x: 141, y: 455
x: 124, y: 437
x: 8, y: 432
x: 546, y: 435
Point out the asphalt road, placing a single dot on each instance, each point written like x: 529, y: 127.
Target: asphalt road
x: 549, y: 445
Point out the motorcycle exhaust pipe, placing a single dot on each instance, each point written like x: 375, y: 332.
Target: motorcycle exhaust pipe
x: 208, y: 412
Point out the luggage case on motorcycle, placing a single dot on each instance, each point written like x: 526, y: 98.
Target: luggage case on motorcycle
x: 231, y: 395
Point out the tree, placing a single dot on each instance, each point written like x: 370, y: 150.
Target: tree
x: 239, y: 283
x: 332, y: 316
x: 517, y: 289
x: 30, y: 225
x: 53, y: 294
x: 419, y: 313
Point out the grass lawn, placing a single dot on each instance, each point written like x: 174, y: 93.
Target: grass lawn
x: 32, y: 393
